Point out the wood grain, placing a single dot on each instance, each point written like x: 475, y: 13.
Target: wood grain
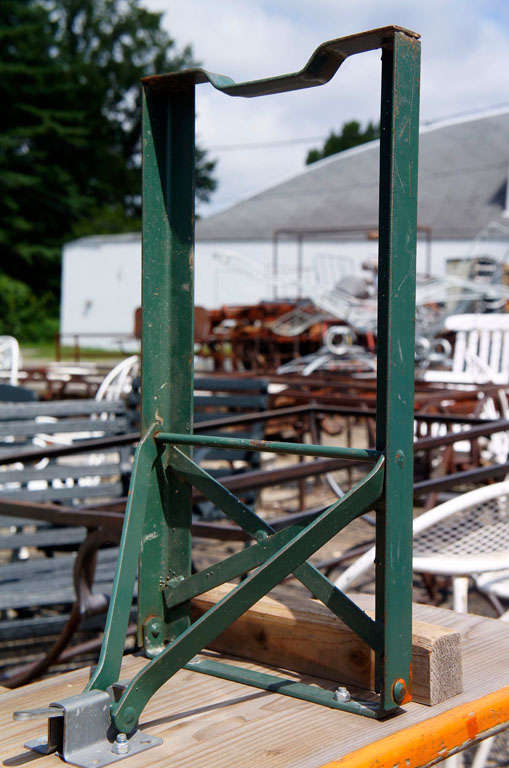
x: 304, y: 636
x: 206, y: 722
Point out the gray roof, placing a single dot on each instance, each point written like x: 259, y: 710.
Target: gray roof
x: 463, y: 167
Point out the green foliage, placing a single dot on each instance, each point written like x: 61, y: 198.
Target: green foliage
x: 70, y: 129
x: 351, y: 135
x: 24, y: 315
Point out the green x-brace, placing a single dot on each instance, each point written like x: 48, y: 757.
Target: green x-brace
x: 276, y: 555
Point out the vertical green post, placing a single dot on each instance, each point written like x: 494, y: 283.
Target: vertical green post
x: 395, y: 376
x: 167, y: 346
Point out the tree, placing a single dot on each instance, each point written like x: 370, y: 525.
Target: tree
x: 70, y: 129
x: 351, y: 135
x: 39, y: 195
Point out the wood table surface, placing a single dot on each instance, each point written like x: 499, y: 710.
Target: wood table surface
x: 206, y: 722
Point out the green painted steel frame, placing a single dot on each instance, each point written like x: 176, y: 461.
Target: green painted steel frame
x: 158, y: 514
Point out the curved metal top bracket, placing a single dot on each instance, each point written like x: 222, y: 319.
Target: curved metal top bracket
x: 321, y: 67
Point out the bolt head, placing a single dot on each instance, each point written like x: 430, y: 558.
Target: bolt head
x: 399, y: 691
x: 155, y: 628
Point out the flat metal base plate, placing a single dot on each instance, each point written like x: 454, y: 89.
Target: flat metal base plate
x: 97, y: 755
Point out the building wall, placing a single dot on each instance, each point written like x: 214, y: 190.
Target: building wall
x: 101, y: 288
x: 101, y: 277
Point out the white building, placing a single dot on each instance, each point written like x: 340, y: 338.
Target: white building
x: 463, y: 191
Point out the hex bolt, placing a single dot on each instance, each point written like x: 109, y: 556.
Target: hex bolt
x: 121, y: 745
x: 342, y: 694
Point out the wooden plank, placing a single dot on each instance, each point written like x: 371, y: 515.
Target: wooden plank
x: 206, y: 722
x: 53, y: 538
x: 251, y: 402
x: 64, y: 426
x: 101, y: 491
x: 304, y: 636
x: 229, y: 385
x: 60, y: 408
x: 18, y: 522
x: 56, y: 472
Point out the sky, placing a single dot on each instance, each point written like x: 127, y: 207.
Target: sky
x: 465, y: 60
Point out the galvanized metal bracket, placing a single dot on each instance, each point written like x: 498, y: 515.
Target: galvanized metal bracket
x: 157, y: 523
x: 80, y: 731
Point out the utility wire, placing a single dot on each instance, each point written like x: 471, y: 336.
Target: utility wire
x: 264, y: 144
x: 311, y: 139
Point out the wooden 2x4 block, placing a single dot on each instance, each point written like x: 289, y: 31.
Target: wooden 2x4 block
x: 302, y: 635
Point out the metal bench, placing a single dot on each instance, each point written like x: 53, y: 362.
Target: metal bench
x: 216, y: 397
x: 24, y: 425
x: 24, y: 584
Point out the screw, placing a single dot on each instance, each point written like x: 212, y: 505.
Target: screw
x: 342, y: 694
x: 121, y: 745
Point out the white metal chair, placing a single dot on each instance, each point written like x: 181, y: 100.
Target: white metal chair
x: 481, y: 356
x: 481, y: 346
x: 481, y: 350
x: 118, y: 381
x: 466, y: 538
x: 9, y: 359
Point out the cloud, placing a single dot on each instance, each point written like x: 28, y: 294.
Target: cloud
x: 465, y: 58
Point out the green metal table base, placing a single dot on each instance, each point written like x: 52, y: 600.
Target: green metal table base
x: 156, y: 536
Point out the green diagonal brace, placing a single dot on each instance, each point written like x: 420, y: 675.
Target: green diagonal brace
x: 126, y: 712
x: 229, y: 568
x: 318, y: 584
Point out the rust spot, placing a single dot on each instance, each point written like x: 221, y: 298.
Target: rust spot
x: 402, y: 685
x: 472, y: 725
x: 257, y: 443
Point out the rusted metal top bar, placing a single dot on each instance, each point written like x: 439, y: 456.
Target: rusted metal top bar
x: 321, y: 67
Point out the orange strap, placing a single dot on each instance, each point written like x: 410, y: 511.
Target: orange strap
x: 420, y: 744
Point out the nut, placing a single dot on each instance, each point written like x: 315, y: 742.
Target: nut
x: 342, y: 694
x: 121, y: 745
